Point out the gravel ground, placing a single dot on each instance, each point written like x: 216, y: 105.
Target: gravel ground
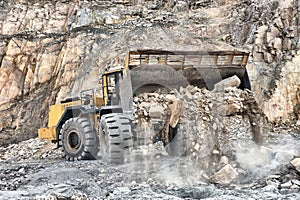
x: 148, y: 175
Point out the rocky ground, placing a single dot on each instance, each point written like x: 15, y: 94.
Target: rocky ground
x: 151, y: 176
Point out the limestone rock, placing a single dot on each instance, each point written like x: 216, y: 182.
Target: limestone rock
x: 176, y: 109
x: 171, y: 98
x: 156, y: 111
x: 233, y: 81
x: 225, y: 175
x: 296, y: 164
x: 223, y: 161
x: 228, y: 109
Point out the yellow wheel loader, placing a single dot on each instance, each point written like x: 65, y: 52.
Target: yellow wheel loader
x: 89, y: 126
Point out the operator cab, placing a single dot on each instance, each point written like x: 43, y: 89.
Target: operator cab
x: 111, y: 86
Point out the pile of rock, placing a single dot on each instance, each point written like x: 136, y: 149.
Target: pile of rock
x: 228, y: 135
x: 213, y: 121
x: 31, y: 149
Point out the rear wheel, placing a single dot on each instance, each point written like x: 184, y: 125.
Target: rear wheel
x: 78, y: 139
x: 116, y: 137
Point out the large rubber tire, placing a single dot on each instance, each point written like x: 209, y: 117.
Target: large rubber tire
x: 116, y: 137
x: 78, y: 140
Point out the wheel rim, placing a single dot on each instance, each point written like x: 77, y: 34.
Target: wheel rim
x: 73, y: 140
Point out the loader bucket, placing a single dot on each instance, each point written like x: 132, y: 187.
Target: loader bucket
x: 172, y: 69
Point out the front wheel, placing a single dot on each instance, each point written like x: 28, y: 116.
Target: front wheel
x: 78, y: 139
x: 116, y: 137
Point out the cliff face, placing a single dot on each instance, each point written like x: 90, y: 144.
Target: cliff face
x: 50, y: 50
x: 271, y: 32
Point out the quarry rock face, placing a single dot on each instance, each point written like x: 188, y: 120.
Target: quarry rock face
x: 52, y: 50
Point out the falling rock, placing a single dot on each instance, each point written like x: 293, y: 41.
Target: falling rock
x: 225, y: 175
x: 257, y: 56
x: 228, y: 109
x: 296, y: 164
x: 176, y: 110
x: 156, y: 111
x: 233, y: 81
x: 274, y: 32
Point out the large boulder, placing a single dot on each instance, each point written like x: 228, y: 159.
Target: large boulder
x: 296, y: 164
x: 233, y: 81
x: 225, y: 175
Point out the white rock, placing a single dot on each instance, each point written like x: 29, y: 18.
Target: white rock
x: 233, y: 81
x: 296, y: 164
x: 223, y: 161
x: 170, y: 98
x: 296, y: 182
x: 156, y: 111
x: 144, y: 105
x: 216, y: 152
x: 286, y: 185
x: 197, y: 147
x: 188, y: 95
x: 228, y: 109
x: 225, y: 175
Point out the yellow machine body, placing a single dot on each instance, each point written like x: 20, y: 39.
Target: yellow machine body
x: 55, y: 114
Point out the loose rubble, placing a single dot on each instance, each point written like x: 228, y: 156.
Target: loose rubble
x: 213, y: 121
x: 29, y: 150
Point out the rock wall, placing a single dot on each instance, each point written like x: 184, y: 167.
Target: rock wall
x: 50, y: 50
x: 270, y: 30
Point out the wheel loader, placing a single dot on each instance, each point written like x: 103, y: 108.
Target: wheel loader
x: 91, y: 125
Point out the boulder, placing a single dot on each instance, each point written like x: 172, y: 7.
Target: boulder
x: 296, y: 164
x: 228, y: 109
x: 225, y: 175
x: 176, y: 110
x: 156, y: 111
x: 170, y: 98
x: 277, y: 44
x: 223, y: 161
x: 233, y: 81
